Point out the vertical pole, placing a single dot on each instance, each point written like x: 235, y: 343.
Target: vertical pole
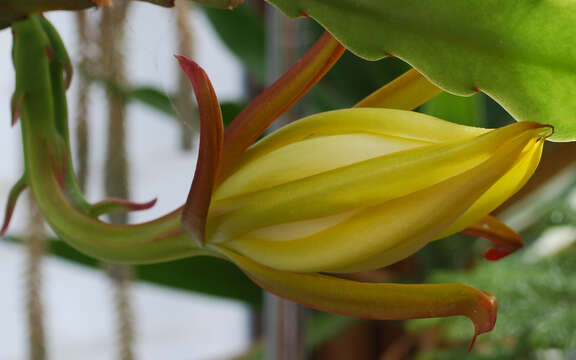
x: 82, y: 152
x: 35, y: 243
x: 116, y: 173
x: 186, y: 107
x: 284, y: 329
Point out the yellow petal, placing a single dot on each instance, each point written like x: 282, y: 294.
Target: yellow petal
x: 503, y: 189
x: 369, y: 214
x: 406, y: 92
x: 402, y: 129
x: 378, y: 235
x: 344, y: 189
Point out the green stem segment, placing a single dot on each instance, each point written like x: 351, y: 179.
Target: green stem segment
x: 49, y: 173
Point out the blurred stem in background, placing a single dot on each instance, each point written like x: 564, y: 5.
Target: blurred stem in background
x: 186, y: 109
x: 284, y: 325
x: 84, y: 42
x: 122, y: 276
x: 116, y: 172
x: 35, y: 242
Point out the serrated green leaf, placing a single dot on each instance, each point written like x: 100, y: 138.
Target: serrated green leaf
x: 519, y: 52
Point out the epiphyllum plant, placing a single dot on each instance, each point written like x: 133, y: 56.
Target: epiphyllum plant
x: 336, y: 192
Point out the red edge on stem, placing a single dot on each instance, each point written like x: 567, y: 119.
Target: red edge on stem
x: 59, y: 169
x: 134, y: 206
x: 211, y: 138
x: 113, y: 205
x: 16, y: 107
x: 7, y: 218
x: 49, y: 52
x: 15, y: 192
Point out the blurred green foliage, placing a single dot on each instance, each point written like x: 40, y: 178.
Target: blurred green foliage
x: 457, y: 109
x: 536, y: 306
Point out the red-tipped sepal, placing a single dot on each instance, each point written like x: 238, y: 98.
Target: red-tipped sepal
x: 375, y: 300
x: 278, y: 98
x: 13, y: 196
x: 505, y: 240
x: 108, y: 206
x: 211, y: 137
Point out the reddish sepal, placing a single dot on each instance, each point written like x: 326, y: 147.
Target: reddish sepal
x: 505, y: 240
x: 211, y: 137
x: 278, y: 98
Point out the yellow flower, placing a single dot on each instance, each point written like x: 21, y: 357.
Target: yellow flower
x: 352, y: 190
x: 359, y: 189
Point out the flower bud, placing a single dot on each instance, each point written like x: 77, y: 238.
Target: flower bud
x: 359, y: 189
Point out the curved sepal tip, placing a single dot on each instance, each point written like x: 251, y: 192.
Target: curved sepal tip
x: 211, y: 137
